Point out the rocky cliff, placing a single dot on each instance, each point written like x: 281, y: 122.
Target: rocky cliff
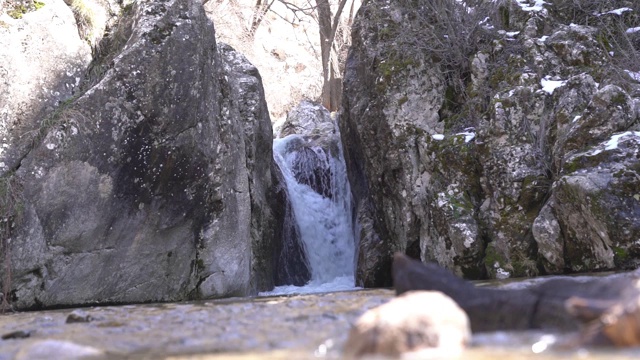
x: 140, y: 171
x: 497, y: 139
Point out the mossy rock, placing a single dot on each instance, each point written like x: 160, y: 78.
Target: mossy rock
x: 494, y: 259
x: 17, y: 9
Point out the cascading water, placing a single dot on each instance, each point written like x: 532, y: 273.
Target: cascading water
x: 320, y: 197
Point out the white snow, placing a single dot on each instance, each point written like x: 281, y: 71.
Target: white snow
x: 576, y: 118
x: 549, y: 85
x: 544, y: 38
x: 437, y: 137
x: 632, y: 30
x: 612, y: 144
x: 502, y: 274
x: 513, y: 33
x: 527, y: 6
x: 468, y: 136
x: 618, y: 11
x: 634, y: 75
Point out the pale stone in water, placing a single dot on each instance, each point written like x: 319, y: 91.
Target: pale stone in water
x: 427, y: 324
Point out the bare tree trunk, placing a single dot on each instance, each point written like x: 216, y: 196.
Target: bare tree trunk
x: 331, y: 85
x: 259, y: 12
x: 323, y: 9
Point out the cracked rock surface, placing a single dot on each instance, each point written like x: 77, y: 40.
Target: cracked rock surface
x: 151, y: 184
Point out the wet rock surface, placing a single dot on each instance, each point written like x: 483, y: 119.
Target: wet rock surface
x: 292, y: 327
x: 300, y: 325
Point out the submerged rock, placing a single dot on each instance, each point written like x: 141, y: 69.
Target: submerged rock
x: 420, y: 324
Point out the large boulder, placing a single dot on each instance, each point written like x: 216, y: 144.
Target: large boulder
x: 459, y: 143
x: 597, y: 205
x: 151, y: 185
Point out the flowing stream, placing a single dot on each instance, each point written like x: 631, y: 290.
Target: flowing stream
x: 320, y: 197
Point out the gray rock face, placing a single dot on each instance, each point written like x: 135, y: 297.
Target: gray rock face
x: 387, y: 106
x: 472, y: 166
x: 153, y: 184
x: 597, y: 205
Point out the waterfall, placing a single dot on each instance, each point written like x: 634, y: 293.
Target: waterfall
x: 320, y: 197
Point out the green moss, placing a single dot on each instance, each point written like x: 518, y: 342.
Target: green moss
x: 504, y: 12
x: 18, y: 9
x: 384, y: 33
x: 402, y: 100
x: 460, y: 204
x: 85, y: 19
x: 492, y: 257
x: 620, y: 254
x: 619, y: 99
x: 390, y: 68
x: 524, y: 268
x: 200, y: 265
x: 17, y: 12
x: 571, y: 167
x: 603, y: 40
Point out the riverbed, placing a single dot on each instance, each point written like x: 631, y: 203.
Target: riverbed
x: 310, y: 326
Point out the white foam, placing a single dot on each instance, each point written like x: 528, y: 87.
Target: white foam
x: 613, y: 142
x: 324, y: 223
x: 340, y: 283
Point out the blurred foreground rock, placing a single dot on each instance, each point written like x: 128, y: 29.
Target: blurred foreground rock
x: 425, y: 324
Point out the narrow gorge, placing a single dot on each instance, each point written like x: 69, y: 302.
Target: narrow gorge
x: 145, y: 182
x: 141, y: 165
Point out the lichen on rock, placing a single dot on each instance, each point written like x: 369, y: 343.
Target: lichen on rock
x: 539, y: 92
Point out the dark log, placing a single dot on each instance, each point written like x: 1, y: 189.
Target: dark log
x: 541, y: 306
